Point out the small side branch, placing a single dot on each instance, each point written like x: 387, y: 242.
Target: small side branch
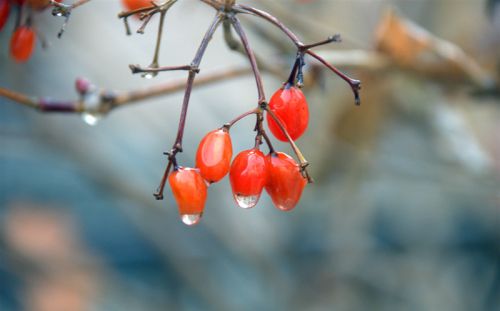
x: 305, y: 49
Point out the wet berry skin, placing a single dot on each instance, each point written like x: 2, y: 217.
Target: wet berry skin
x: 214, y: 154
x: 290, y: 106
x: 4, y: 12
x: 22, y: 43
x: 189, y: 189
x: 285, y: 183
x: 248, y: 176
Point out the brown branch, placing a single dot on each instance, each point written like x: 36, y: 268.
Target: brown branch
x: 305, y: 49
x: 123, y: 98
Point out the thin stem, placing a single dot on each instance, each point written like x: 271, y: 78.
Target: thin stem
x: 177, y: 146
x: 334, y: 38
x: 176, y: 85
x: 300, y: 156
x: 355, y: 84
x: 145, y: 22
x: 229, y: 124
x: 268, y: 141
x: 158, y: 39
x: 272, y: 20
x: 236, y: 45
x: 251, y: 57
x: 125, y: 98
x: 19, y: 98
x: 78, y: 3
x: 139, y: 69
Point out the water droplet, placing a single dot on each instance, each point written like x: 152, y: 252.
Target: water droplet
x: 191, y: 219
x: 91, y: 118
x: 246, y: 201
x: 149, y: 75
x: 285, y: 207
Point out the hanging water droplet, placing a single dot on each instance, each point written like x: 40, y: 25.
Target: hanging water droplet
x: 91, y: 118
x: 191, y: 219
x: 285, y: 207
x: 149, y: 75
x: 246, y: 201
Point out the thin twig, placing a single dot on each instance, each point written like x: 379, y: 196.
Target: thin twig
x: 253, y: 62
x: 125, y: 98
x: 302, y: 48
x: 177, y: 146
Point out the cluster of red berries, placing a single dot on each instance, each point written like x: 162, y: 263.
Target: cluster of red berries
x: 250, y: 171
x: 22, y: 42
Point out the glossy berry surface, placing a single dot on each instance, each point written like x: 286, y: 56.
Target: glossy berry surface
x: 136, y: 4
x: 214, y: 154
x: 285, y: 183
x: 22, y: 43
x: 190, y: 193
x: 4, y: 12
x: 290, y: 106
x: 248, y: 177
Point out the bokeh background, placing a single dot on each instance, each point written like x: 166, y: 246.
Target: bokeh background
x: 404, y: 213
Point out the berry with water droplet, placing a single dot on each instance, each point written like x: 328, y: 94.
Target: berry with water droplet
x: 248, y: 177
x: 285, y: 183
x: 4, y: 12
x: 214, y: 154
x: 22, y: 43
x: 290, y: 107
x: 190, y: 193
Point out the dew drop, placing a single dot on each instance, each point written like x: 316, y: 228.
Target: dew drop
x: 149, y: 75
x: 285, y: 207
x: 191, y: 219
x: 246, y: 201
x: 91, y: 118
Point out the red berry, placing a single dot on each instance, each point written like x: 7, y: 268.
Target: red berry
x: 190, y: 193
x: 4, y: 12
x: 248, y: 177
x: 136, y: 4
x: 214, y: 154
x: 290, y: 106
x: 22, y: 43
x: 284, y: 181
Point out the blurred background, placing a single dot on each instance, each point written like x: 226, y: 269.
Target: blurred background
x: 404, y: 213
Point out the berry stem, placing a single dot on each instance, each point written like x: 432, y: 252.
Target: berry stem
x: 177, y: 146
x: 300, y: 156
x: 139, y: 69
x: 251, y: 56
x: 353, y: 83
x: 229, y: 124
